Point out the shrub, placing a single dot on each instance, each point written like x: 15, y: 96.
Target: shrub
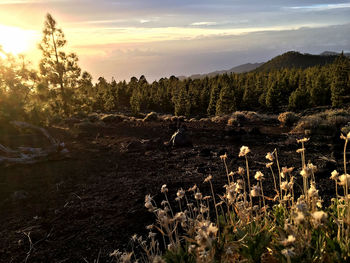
x: 288, y: 118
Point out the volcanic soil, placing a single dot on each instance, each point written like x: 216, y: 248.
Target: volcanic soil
x: 80, y: 207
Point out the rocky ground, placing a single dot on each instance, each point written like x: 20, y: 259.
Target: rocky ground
x: 81, y: 207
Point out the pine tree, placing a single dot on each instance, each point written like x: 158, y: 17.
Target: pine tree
x: 60, y: 71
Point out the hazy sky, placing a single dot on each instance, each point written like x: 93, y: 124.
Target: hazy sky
x: 159, y: 38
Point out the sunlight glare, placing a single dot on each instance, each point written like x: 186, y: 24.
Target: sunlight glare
x: 16, y: 40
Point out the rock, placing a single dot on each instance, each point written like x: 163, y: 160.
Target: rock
x: 111, y: 118
x: 152, y: 116
x: 93, y: 117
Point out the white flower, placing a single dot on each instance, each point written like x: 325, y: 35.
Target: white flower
x: 268, y: 165
x: 164, y: 189
x: 312, y: 192
x: 284, y: 186
x: 319, y: 216
x: 288, y: 240
x: 180, y: 193
x: 223, y: 157
x: 344, y: 179
x: 299, y: 218
x: 306, y: 172
x: 255, y: 191
x: 334, y: 175
x: 198, y: 196
x: 208, y: 178
x: 243, y: 151
x: 259, y: 175
x: 241, y: 170
x: 288, y: 252
x: 303, y: 140
x: 269, y: 156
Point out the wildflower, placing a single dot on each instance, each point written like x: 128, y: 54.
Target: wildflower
x: 312, y: 192
x: 198, y: 196
x: 300, y: 150
x: 223, y: 157
x: 149, y: 227
x: 259, y: 176
x: 148, y: 203
x: 306, y: 172
x: 171, y: 247
x: 268, y: 165
x: 284, y: 186
x: 269, y: 156
x: 287, y: 169
x: 180, y: 216
x: 312, y: 167
x: 303, y: 140
x: 208, y: 178
x: 348, y: 135
x: 241, y: 170
x: 299, y: 218
x: 164, y: 189
x: 243, y: 151
x: 164, y: 202
x: 288, y: 252
x: 343, y: 137
x: 206, y: 233
x: 319, y: 216
x: 334, y: 175
x: 192, y: 189
x: 231, y: 174
x: 191, y: 248
x: 134, y: 237
x: 180, y: 193
x: 282, y: 175
x: 319, y: 203
x: 344, y: 179
x: 203, y: 209
x: 288, y: 240
x: 255, y: 191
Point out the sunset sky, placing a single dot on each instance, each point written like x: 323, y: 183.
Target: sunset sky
x: 159, y: 38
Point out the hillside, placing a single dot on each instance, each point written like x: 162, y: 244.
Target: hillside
x: 293, y: 59
x: 238, y: 69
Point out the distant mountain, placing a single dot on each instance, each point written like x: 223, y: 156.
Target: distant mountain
x: 331, y: 53
x: 239, y: 69
x: 293, y: 59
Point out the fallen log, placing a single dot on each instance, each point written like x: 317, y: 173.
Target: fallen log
x: 29, y: 155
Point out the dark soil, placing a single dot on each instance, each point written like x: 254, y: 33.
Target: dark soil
x: 82, y: 207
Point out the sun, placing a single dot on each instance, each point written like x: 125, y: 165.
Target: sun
x: 16, y: 40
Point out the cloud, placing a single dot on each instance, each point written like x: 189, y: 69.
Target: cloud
x: 204, y: 24
x: 321, y: 7
x: 209, y: 53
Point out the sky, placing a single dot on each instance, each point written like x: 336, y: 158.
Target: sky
x: 160, y: 38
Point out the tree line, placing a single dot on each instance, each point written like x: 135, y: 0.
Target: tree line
x: 60, y: 89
